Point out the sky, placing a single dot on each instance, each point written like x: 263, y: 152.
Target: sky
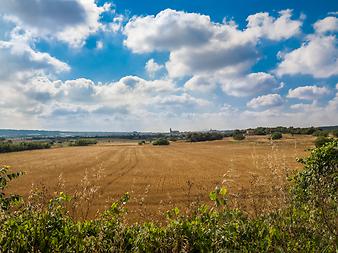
x: 126, y: 65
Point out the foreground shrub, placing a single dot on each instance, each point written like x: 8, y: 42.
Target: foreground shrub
x: 6, y: 147
x: 315, y: 189
x: 307, y: 224
x: 5, y: 178
x: 335, y: 133
x: 321, y: 141
x: 276, y: 136
x: 161, y: 141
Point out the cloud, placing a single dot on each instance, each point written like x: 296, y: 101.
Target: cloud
x: 251, y: 84
x: 234, y: 85
x: 133, y: 103
x: 317, y: 57
x: 308, y: 92
x: 166, y: 31
x: 328, y: 24
x: 153, y: 68
x: 17, y: 58
x: 204, y: 50
x: 200, y: 84
x: 181, y: 99
x: 68, y: 21
x: 263, y: 25
x: 172, y: 30
x: 211, y: 58
x: 270, y: 100
x: 99, y: 45
x: 53, y: 97
x: 333, y: 105
x: 304, y: 107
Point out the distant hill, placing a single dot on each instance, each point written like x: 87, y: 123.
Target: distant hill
x: 36, y: 134
x: 328, y: 127
x: 10, y: 133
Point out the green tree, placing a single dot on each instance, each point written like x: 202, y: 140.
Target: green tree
x: 321, y: 133
x: 161, y: 141
x: 276, y: 136
x: 238, y: 135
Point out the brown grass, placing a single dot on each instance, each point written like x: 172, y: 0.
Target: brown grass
x: 161, y: 177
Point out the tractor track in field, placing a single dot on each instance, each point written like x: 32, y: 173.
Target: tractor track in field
x: 129, y: 166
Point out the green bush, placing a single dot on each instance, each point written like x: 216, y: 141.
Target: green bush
x: 207, y: 136
x: 276, y: 136
x: 238, y: 136
x: 260, y: 131
x: 315, y: 189
x: 335, y: 133
x: 161, y: 141
x: 321, y: 133
x: 5, y: 178
x: 141, y: 142
x: 6, y: 147
x: 321, y: 140
x: 84, y: 142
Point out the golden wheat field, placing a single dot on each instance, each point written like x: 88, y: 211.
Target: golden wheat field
x: 157, y: 177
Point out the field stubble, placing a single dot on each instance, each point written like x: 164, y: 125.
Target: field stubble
x: 159, y: 178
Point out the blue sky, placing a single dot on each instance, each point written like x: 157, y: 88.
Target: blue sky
x: 149, y: 65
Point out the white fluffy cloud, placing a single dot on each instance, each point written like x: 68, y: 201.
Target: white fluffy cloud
x: 168, y: 30
x: 17, y: 58
x: 308, y: 92
x: 203, y: 50
x: 283, y: 27
x: 153, y: 68
x: 270, y: 100
x: 200, y: 83
x: 133, y: 103
x: 317, y: 57
x: 172, y: 30
x: 131, y: 92
x: 234, y: 85
x: 211, y: 58
x: 68, y: 21
x: 251, y: 84
x: 328, y: 24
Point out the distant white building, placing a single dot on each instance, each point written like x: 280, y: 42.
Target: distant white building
x: 250, y: 132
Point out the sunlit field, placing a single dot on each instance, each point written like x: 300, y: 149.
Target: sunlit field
x: 161, y: 177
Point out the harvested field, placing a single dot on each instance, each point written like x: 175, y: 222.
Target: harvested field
x: 157, y: 177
